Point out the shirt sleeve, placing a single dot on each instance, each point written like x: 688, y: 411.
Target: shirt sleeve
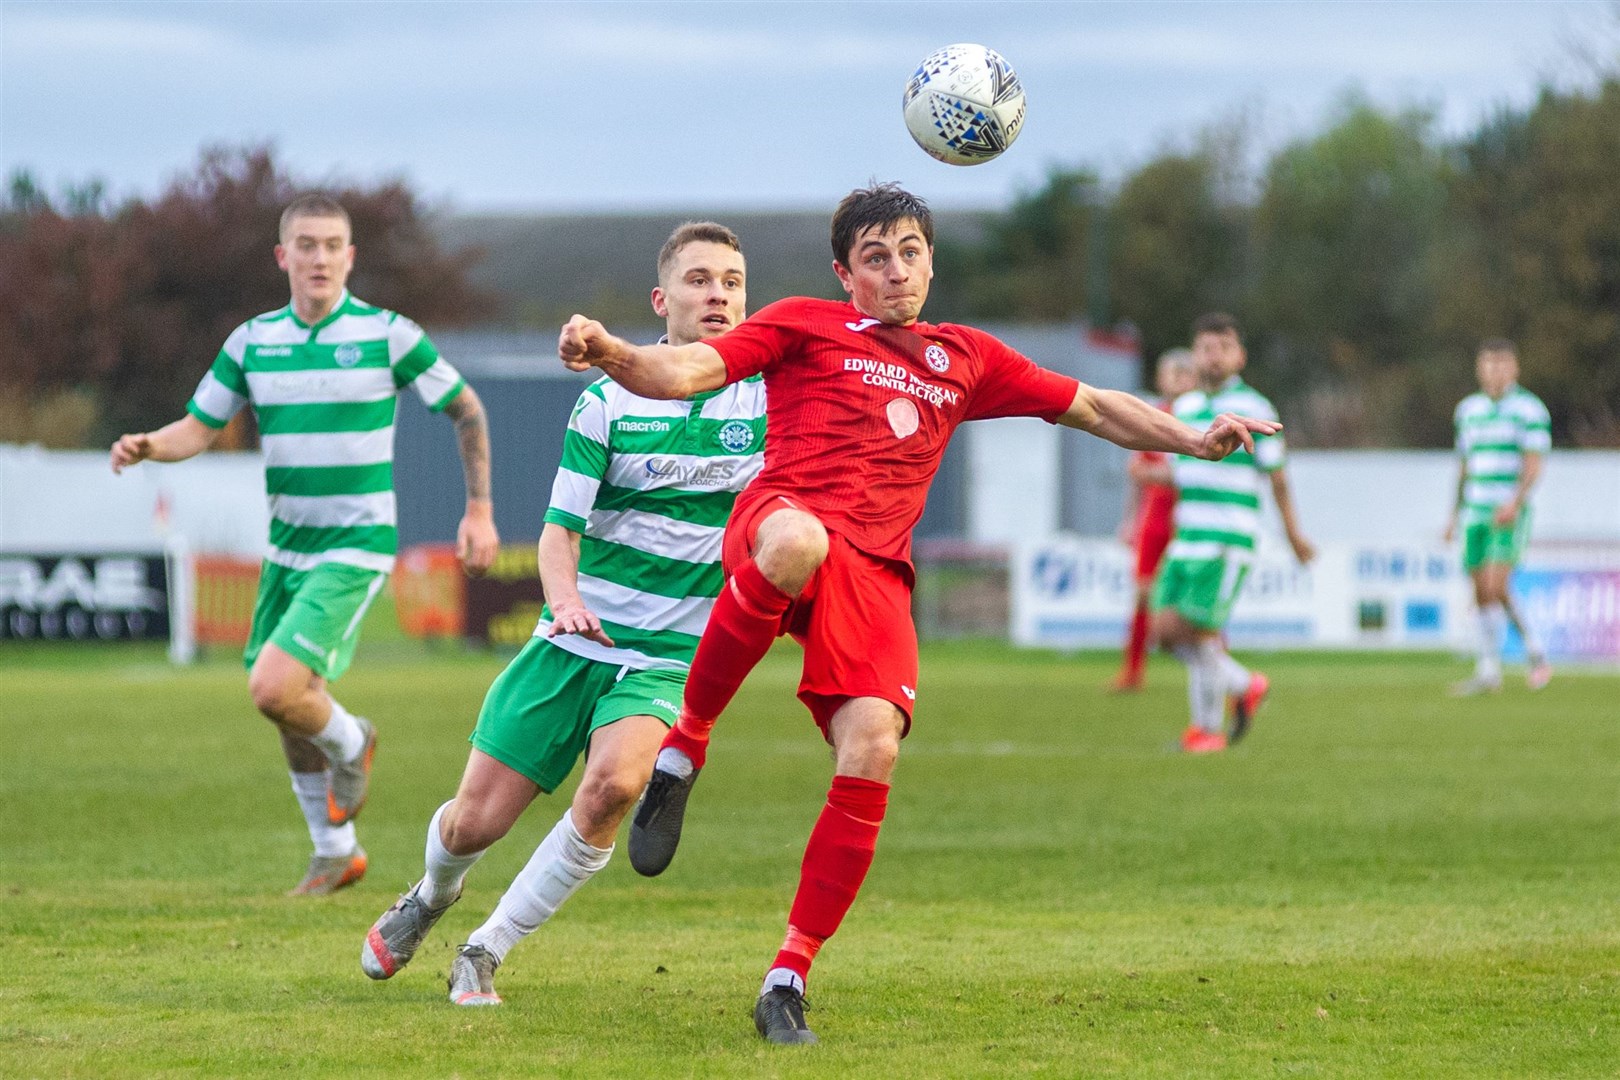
x: 760, y: 341
x: 224, y: 387
x: 1011, y: 384
x: 584, y: 461
x: 1270, y: 451
x: 1535, y: 427
x: 416, y: 363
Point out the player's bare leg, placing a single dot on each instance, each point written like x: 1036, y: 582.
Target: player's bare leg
x: 789, y: 547
x: 1498, y: 576
x: 617, y: 767
x: 1213, y: 677
x: 338, y: 860
x: 865, y: 734
x: 317, y: 732
x: 1490, y: 590
x: 491, y: 798
x: 292, y: 697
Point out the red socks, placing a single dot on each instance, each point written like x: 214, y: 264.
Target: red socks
x: 1136, y: 647
x: 747, y: 617
x: 835, y: 863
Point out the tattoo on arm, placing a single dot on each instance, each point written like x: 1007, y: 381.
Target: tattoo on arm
x: 472, y: 438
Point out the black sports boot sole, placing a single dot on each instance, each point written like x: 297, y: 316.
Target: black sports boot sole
x: 655, y: 831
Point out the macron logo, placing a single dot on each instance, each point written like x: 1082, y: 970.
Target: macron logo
x: 857, y: 327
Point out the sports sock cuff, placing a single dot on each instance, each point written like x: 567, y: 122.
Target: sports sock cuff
x: 782, y: 976
x: 579, y: 851
x: 862, y: 799
x: 755, y: 592
x: 694, y: 746
x: 311, y: 784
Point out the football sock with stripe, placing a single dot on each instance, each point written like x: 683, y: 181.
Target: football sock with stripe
x: 835, y: 864
x: 1136, y: 645
x: 342, y: 738
x: 329, y: 840
x: 1204, y: 697
x: 445, y: 870
x: 561, y: 864
x: 747, y: 617
x: 1234, y: 677
x: 1492, y: 629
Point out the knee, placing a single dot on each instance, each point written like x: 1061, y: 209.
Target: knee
x: 604, y: 798
x: 791, y: 546
x: 464, y: 829
x: 272, y: 696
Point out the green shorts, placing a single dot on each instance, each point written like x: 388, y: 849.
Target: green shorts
x: 1202, y: 590
x: 540, y: 713
x: 313, y: 615
x: 1484, y: 541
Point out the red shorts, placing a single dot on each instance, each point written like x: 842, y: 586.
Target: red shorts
x: 853, y: 619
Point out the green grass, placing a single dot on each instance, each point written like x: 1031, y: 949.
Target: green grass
x: 1380, y: 882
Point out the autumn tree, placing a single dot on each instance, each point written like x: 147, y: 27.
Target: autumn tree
x: 121, y: 309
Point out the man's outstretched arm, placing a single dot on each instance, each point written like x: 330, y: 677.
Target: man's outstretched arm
x: 186, y: 437
x: 1129, y: 421
x: 667, y: 372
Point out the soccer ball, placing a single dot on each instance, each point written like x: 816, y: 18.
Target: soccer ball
x: 964, y: 104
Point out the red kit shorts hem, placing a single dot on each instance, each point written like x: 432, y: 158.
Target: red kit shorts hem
x: 853, y: 619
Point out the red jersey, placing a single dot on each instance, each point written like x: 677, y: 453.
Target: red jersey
x: 858, y: 413
x: 1158, y: 500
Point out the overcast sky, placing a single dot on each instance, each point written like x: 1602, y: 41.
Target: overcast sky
x: 651, y: 106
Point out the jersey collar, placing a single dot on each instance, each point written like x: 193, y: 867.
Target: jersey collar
x: 331, y: 316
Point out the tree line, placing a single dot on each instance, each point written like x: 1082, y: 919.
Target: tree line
x: 1365, y: 261
x: 110, y: 315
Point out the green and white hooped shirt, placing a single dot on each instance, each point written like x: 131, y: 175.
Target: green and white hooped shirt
x: 325, y: 398
x: 1217, y: 512
x: 649, y: 485
x: 1492, y: 438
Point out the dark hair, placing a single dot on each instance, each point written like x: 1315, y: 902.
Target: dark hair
x: 882, y: 205
x: 1497, y: 344
x: 695, y: 232
x: 1215, y: 322
x: 313, y: 204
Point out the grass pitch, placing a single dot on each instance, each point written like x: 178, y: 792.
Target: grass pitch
x: 1381, y: 881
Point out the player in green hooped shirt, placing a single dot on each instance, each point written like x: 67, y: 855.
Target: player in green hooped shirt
x: 630, y: 561
x: 1217, y: 525
x: 322, y: 375
x: 1503, y: 433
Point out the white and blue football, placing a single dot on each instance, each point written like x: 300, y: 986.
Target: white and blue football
x: 964, y: 104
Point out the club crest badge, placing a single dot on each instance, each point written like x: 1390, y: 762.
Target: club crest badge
x: 938, y: 360
x: 903, y: 419
x: 736, y: 436
x: 348, y: 354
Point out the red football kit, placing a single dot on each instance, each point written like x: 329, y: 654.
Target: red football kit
x: 858, y: 415
x: 1154, y: 514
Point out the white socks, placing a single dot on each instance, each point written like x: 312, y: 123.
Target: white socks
x: 781, y: 976
x: 445, y: 872
x: 1205, y: 693
x: 561, y: 864
x: 1234, y: 677
x: 342, y: 738
x: 674, y: 762
x: 1492, y: 629
x: 330, y: 840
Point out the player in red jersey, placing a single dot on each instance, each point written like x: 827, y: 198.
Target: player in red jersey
x: 1146, y: 525
x: 861, y: 399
